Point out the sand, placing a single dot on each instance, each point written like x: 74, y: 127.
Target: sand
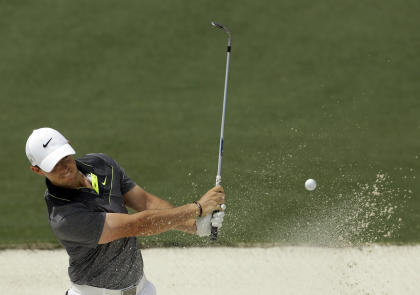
x: 277, y: 270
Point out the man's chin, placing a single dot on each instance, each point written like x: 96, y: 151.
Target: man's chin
x: 69, y: 181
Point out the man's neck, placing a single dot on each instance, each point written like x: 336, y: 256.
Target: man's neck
x: 82, y: 181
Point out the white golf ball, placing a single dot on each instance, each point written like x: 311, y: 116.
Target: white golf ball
x: 310, y: 184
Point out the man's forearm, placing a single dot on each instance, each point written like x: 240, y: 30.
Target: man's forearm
x: 159, y: 204
x: 140, y: 200
x: 150, y: 222
x: 145, y: 223
x: 188, y: 227
x: 157, y: 221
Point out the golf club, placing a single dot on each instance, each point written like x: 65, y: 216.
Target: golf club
x: 213, y: 235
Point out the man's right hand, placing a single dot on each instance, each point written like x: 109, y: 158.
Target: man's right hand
x: 212, y: 200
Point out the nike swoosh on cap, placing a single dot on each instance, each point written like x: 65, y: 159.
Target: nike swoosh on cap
x: 45, y: 145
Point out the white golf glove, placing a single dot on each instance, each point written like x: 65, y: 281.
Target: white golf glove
x: 205, y: 223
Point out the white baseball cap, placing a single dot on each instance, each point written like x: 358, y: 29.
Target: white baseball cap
x: 45, y: 147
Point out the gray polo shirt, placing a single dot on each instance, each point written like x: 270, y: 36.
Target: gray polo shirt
x: 77, y: 217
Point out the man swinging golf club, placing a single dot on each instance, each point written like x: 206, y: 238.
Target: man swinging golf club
x: 86, y: 204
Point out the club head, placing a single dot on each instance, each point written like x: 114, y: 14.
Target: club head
x: 217, y: 25
x: 222, y: 27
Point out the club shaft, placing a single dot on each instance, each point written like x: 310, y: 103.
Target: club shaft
x: 213, y: 235
x: 222, y: 126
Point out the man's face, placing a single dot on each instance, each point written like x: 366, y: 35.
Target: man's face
x: 64, y: 173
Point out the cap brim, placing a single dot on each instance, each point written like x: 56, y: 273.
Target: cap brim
x: 53, y: 158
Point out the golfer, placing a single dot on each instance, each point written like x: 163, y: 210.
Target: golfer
x: 86, y: 204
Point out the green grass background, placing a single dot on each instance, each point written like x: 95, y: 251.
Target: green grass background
x: 318, y: 89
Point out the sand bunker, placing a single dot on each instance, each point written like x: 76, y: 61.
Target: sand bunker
x: 279, y: 270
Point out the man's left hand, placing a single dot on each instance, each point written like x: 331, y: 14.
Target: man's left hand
x: 205, y: 223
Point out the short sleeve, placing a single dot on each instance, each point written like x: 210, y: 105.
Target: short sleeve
x: 81, y: 227
x: 126, y: 183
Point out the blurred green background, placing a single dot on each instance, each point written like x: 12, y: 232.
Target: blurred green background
x: 318, y: 89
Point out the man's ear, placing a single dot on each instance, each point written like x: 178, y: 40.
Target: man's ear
x: 36, y: 170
